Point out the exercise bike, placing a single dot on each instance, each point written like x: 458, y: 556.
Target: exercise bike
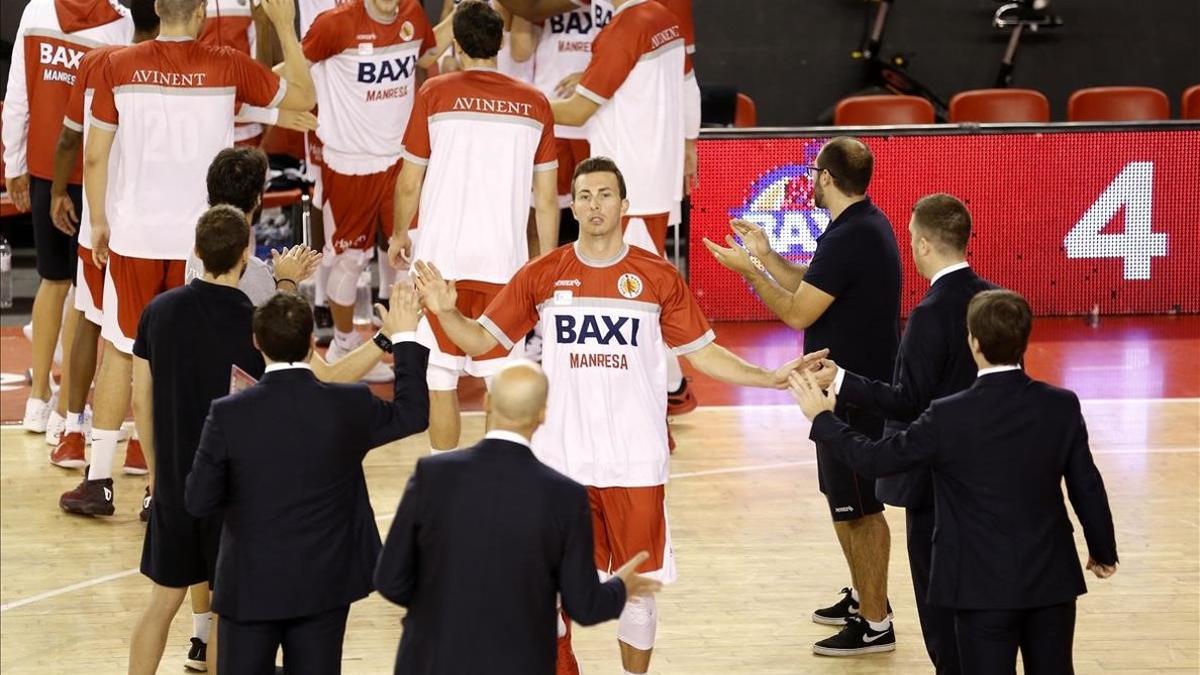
x: 891, y: 74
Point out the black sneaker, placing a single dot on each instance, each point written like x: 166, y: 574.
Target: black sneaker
x: 197, y: 658
x: 857, y: 638
x: 836, y: 614
x: 322, y: 325
x: 144, y: 516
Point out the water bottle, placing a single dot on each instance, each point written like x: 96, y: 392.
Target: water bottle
x: 362, y: 304
x: 6, y: 275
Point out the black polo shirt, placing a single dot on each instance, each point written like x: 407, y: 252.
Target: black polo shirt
x: 857, y: 262
x: 192, y: 336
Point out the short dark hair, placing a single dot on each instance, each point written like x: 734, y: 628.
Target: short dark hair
x: 598, y: 164
x: 145, y: 19
x: 222, y: 237
x: 945, y: 219
x: 478, y: 28
x: 1001, y: 320
x: 283, y: 328
x: 176, y: 10
x: 238, y: 176
x: 850, y: 162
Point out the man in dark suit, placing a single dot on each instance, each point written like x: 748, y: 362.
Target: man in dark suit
x: 1004, y: 556
x: 482, y: 541
x: 934, y: 361
x: 283, y: 460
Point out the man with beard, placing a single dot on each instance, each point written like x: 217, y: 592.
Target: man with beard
x: 847, y: 299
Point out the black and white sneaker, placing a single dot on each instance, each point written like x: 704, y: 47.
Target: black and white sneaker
x: 197, y: 657
x: 322, y: 325
x: 837, y: 613
x: 857, y: 638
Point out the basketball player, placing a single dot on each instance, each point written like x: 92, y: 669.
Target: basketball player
x: 515, y: 57
x: 477, y: 142
x: 164, y: 134
x: 608, y: 309
x: 365, y: 57
x: 230, y: 23
x: 51, y: 39
x: 89, y: 278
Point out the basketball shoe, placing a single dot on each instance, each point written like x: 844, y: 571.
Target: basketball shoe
x: 681, y: 401
x: 89, y: 498
x: 382, y: 372
x: 69, y: 452
x: 135, y: 461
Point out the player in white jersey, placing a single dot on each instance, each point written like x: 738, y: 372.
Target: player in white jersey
x: 607, y: 310
x: 477, y: 143
x: 365, y: 56
x: 168, y: 104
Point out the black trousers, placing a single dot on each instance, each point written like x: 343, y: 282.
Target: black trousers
x: 937, y: 623
x: 988, y: 640
x: 311, y: 644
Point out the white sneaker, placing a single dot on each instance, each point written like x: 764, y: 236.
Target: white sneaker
x: 37, y: 414
x: 55, y: 426
x: 382, y: 372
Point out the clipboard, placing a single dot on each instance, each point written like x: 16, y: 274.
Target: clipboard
x: 240, y: 380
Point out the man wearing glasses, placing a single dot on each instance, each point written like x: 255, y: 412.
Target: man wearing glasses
x: 848, y: 300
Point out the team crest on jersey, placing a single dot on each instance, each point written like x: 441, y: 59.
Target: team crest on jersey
x: 407, y: 31
x: 629, y: 285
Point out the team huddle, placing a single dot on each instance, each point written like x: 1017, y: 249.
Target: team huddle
x: 142, y: 149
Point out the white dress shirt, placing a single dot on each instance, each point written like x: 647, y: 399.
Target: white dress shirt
x: 510, y: 436
x: 996, y: 369
x: 947, y: 270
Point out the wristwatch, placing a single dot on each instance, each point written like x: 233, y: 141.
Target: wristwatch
x: 383, y: 342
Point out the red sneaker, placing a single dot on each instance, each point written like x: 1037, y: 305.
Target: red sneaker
x: 566, y: 664
x: 69, y: 452
x: 135, y: 461
x: 89, y: 498
x: 683, y: 401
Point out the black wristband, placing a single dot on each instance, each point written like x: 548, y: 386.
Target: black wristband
x: 383, y: 342
x: 295, y: 286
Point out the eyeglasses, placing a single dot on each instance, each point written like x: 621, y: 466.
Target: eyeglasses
x: 814, y: 169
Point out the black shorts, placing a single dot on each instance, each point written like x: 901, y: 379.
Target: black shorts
x: 56, y: 256
x: 180, y: 550
x: 850, y: 495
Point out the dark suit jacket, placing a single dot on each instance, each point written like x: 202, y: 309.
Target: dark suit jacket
x: 283, y: 459
x: 999, y: 452
x: 934, y: 361
x: 482, y: 541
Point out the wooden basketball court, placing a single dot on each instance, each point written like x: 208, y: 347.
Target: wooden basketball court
x: 755, y: 548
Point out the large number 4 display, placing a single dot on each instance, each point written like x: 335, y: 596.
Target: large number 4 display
x: 1131, y: 190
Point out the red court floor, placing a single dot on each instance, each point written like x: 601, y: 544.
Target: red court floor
x: 1122, y: 357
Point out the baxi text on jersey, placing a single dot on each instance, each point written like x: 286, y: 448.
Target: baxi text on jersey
x: 591, y: 329
x: 387, y: 70
x: 578, y: 22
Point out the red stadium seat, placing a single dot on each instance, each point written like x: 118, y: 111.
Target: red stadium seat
x: 858, y: 111
x: 1189, y: 105
x: 746, y: 113
x: 1118, y: 104
x: 999, y: 105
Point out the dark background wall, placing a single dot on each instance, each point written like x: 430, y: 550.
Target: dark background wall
x: 793, y: 56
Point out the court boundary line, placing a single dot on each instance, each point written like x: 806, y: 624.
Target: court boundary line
x: 97, y: 581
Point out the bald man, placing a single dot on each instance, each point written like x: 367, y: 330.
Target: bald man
x: 483, y: 541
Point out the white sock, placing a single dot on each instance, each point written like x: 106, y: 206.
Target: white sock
x: 854, y: 594
x: 344, y: 340
x: 880, y: 626
x: 74, y: 422
x: 200, y: 625
x: 435, y: 451
x: 104, y: 446
x: 674, y: 372
x: 320, y: 279
x: 387, y: 275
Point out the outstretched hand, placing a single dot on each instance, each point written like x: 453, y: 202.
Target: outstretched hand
x: 753, y: 237
x: 810, y: 361
x: 403, y: 310
x: 437, y: 294
x: 807, y: 393
x: 636, y: 584
x: 295, y: 264
x: 735, y: 257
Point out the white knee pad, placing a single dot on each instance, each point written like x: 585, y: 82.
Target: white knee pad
x: 342, y: 286
x: 440, y: 378
x: 638, y: 623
